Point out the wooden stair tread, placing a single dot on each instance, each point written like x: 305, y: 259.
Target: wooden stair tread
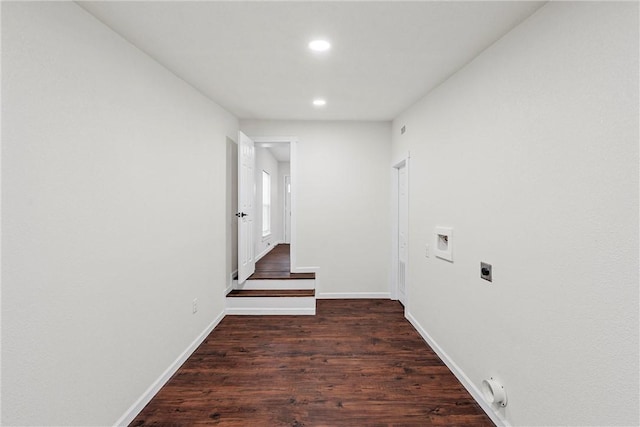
x: 279, y: 275
x: 272, y: 293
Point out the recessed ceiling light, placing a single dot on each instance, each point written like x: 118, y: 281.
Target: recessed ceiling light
x: 319, y: 45
x: 319, y: 102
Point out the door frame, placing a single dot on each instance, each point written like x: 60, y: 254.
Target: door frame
x: 402, y: 161
x: 293, y: 162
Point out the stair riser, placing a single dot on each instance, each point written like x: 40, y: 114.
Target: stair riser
x: 275, y: 284
x: 271, y: 306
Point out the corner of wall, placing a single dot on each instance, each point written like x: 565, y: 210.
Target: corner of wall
x: 475, y: 392
x: 155, y: 387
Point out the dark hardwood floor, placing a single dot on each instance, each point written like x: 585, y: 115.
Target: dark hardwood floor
x: 277, y: 265
x: 355, y: 363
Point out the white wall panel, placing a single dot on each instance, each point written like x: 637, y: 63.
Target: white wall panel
x: 113, y: 217
x: 530, y: 153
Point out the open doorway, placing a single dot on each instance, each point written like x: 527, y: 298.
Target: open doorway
x: 266, y: 183
x: 400, y: 230
x: 273, y: 164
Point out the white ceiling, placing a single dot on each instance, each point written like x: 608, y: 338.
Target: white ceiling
x: 252, y: 57
x: 279, y: 150
x: 281, y: 153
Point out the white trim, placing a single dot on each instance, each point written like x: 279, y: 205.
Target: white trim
x: 275, y: 284
x: 273, y: 139
x: 270, y: 305
x: 155, y: 387
x: 393, y: 285
x: 293, y: 180
x: 403, y: 161
x: 270, y: 311
x: 266, y: 251
x: 1, y: 187
x: 232, y: 281
x: 496, y: 417
x: 293, y: 173
x: 353, y: 295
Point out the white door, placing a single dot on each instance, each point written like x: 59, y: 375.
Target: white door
x: 287, y: 209
x: 246, y: 207
x: 403, y: 231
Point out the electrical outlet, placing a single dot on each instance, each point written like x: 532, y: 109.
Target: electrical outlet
x: 195, y: 305
x: 486, y: 271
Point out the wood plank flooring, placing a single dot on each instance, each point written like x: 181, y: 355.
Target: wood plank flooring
x: 355, y: 363
x: 277, y: 265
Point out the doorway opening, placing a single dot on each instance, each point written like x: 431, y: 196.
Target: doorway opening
x: 268, y: 281
x: 400, y: 231
x: 271, y: 200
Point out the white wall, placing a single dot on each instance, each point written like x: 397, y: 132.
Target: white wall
x: 342, y: 201
x: 267, y: 163
x: 284, y: 169
x: 531, y: 154
x: 113, y: 217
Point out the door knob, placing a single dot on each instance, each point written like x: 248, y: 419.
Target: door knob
x: 241, y: 214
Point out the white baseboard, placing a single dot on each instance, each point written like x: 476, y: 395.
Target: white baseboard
x: 266, y: 251
x: 353, y: 295
x: 266, y: 311
x: 231, y: 282
x: 146, y: 397
x: 305, y: 269
x: 496, y: 417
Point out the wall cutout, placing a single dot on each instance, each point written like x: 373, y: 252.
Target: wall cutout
x: 443, y: 245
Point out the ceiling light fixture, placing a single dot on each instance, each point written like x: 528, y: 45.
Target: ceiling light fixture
x: 319, y: 45
x: 319, y: 102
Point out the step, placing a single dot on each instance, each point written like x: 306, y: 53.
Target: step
x: 238, y: 293
x: 275, y: 284
x: 271, y: 302
x: 280, y: 275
